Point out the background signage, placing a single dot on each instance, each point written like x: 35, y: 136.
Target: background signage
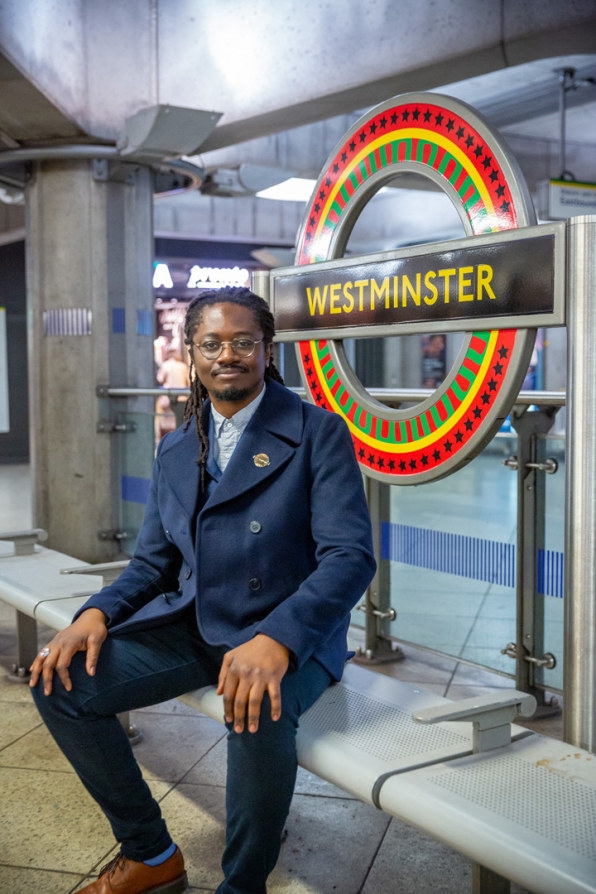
x: 197, y: 276
x: 569, y: 198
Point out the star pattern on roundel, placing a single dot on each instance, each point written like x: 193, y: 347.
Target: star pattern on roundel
x: 456, y: 129
x: 418, y: 461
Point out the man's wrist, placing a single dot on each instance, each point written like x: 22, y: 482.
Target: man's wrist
x: 103, y: 617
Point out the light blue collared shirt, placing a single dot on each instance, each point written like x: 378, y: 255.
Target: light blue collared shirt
x: 227, y: 432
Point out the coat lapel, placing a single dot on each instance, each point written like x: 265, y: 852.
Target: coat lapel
x: 181, y: 469
x: 269, y: 442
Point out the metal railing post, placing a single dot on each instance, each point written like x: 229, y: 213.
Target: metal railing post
x: 529, y: 644
x: 579, y: 679
x: 378, y: 646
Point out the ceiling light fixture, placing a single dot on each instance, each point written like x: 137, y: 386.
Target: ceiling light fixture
x: 294, y: 189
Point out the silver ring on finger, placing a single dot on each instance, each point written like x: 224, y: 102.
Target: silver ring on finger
x: 44, y: 652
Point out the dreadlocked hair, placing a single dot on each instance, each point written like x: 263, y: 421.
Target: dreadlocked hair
x: 194, y: 316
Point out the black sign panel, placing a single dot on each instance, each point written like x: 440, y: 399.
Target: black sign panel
x: 463, y: 284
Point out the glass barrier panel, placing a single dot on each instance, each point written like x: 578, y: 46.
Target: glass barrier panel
x: 451, y: 544
x: 133, y: 457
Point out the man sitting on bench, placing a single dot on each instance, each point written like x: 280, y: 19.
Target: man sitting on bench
x: 256, y: 545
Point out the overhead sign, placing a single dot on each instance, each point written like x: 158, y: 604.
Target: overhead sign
x: 503, y: 280
x: 570, y: 198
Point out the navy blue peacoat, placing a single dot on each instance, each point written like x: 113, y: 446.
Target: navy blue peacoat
x: 282, y: 545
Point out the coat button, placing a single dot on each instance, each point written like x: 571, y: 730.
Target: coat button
x: 255, y: 527
x: 254, y: 583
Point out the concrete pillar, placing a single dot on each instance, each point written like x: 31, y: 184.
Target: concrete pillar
x: 90, y: 320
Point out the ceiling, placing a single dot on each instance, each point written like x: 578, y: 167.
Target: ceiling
x: 522, y: 101
x: 525, y: 104
x: 526, y: 100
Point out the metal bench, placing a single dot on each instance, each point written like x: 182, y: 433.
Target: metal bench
x: 34, y: 581
x: 519, y: 805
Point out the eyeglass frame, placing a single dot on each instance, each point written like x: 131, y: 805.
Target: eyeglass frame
x: 230, y: 344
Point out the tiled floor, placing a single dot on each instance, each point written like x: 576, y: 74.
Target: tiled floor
x: 53, y: 838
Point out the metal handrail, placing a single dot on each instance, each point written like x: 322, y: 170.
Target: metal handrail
x: 389, y: 396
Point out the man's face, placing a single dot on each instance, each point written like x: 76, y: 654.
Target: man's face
x: 231, y: 381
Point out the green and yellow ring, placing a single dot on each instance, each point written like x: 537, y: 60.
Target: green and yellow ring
x: 432, y: 133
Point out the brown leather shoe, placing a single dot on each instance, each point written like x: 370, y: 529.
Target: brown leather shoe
x: 123, y: 876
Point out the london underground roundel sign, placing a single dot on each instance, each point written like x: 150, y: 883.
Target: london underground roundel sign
x: 446, y: 141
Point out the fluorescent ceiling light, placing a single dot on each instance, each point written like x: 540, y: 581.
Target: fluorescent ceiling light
x: 294, y: 189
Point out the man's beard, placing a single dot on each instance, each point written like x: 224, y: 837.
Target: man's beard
x: 232, y: 394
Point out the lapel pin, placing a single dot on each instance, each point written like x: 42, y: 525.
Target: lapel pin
x: 260, y: 460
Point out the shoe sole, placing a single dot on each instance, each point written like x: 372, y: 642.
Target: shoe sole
x: 176, y: 886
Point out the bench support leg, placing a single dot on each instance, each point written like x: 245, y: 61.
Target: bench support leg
x: 26, y: 648
x: 485, y: 881
x: 131, y: 730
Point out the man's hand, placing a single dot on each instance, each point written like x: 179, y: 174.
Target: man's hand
x: 247, y: 672
x: 87, y: 633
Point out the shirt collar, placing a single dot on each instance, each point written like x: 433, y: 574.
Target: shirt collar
x: 240, y: 419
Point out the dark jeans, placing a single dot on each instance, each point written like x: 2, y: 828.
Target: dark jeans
x: 143, y: 668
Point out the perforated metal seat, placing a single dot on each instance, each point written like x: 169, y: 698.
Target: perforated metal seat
x: 527, y: 811
x: 362, y: 728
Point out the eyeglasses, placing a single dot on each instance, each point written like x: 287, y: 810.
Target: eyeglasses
x: 242, y: 347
